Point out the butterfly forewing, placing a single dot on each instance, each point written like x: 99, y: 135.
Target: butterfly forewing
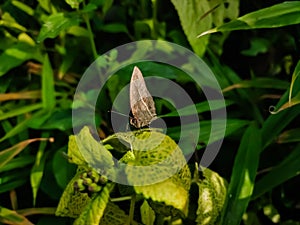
x: 141, y: 102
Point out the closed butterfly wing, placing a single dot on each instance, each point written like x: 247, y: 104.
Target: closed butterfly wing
x: 141, y: 102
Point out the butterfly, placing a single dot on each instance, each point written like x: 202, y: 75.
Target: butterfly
x: 141, y: 102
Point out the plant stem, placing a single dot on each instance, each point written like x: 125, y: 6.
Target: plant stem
x: 131, y: 211
x: 91, y: 35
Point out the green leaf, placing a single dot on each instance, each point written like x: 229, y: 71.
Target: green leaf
x: 265, y: 83
x: 296, y: 74
x: 279, y: 15
x: 287, y: 169
x: 18, y: 54
x: 20, y: 110
x: 74, y: 3
x: 212, y: 196
x: 62, y: 176
x: 13, y: 180
x: 243, y: 176
x: 23, y: 7
x: 18, y: 162
x: 156, y: 154
x: 37, y: 170
x: 8, y: 154
x: 289, y: 136
x: 163, y: 175
x: 113, y: 215
x: 48, y: 92
x: 232, y: 125
x: 190, y: 12
x: 55, y: 24
x: 72, y: 203
x: 94, y: 210
x: 200, y: 107
x: 8, y: 216
x: 147, y: 214
x: 94, y: 153
x: 114, y: 28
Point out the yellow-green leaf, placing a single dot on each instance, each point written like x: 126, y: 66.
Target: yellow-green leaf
x: 72, y: 203
x: 94, y: 210
x: 12, y: 217
x: 212, y: 196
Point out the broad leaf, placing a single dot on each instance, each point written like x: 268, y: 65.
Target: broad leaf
x: 55, y: 24
x: 72, y: 203
x: 190, y: 13
x: 212, y: 196
x: 94, y: 210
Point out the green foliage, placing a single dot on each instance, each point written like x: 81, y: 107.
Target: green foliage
x: 253, y: 50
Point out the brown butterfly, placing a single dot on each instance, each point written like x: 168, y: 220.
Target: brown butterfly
x: 141, y: 102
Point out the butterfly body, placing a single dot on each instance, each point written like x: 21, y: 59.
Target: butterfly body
x: 141, y: 102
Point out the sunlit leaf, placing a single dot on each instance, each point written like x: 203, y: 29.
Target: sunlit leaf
x: 113, y: 215
x: 37, y: 170
x: 72, y: 203
x: 20, y: 110
x: 55, y: 24
x: 190, y: 13
x: 8, y: 216
x: 18, y: 54
x: 147, y: 214
x: 94, y: 210
x: 8, y: 154
x: 279, y: 15
x: 212, y: 196
x: 243, y: 176
x: 48, y: 92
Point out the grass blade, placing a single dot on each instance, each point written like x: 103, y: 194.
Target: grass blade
x: 243, y: 176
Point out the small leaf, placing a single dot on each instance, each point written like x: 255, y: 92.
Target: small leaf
x: 147, y: 214
x: 212, y: 196
x: 190, y: 12
x: 94, y: 210
x: 72, y: 203
x: 74, y: 3
x: 55, y: 24
x: 94, y: 153
x: 12, y: 217
x: 279, y: 15
x: 113, y: 215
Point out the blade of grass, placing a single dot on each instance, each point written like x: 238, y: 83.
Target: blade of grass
x: 287, y: 169
x: 20, y: 110
x: 48, y: 92
x: 279, y: 15
x: 200, y: 107
x: 37, y: 170
x: 8, y: 216
x: 8, y: 154
x: 243, y: 176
